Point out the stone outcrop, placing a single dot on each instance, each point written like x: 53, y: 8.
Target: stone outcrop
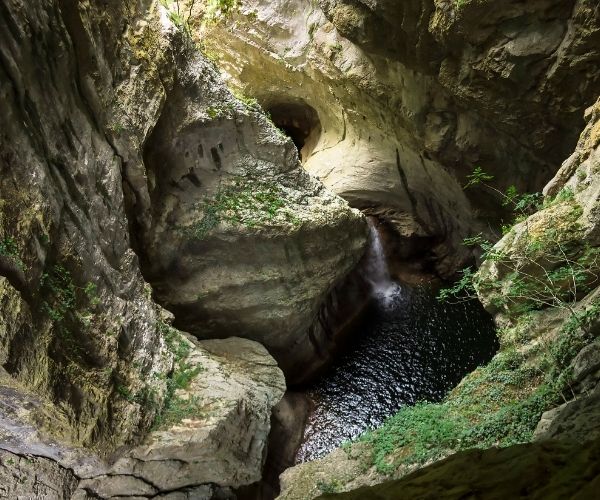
x: 506, y: 97
x: 568, y: 221
x: 241, y: 239
x: 411, y: 96
x: 212, y: 438
x: 540, y: 470
x: 220, y: 438
x: 290, y: 58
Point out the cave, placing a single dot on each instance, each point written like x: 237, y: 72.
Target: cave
x: 386, y: 288
x: 299, y: 121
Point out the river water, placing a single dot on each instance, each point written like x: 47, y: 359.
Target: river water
x: 410, y: 348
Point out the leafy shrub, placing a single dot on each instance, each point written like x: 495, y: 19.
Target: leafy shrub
x: 9, y: 248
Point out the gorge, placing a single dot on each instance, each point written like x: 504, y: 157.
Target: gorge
x: 299, y: 249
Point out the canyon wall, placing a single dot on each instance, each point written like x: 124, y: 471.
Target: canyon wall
x: 398, y: 102
x: 142, y: 201
x: 110, y: 210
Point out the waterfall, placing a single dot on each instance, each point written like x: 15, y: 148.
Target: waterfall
x: 385, y: 289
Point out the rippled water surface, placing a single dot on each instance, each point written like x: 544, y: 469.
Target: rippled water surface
x: 411, y: 348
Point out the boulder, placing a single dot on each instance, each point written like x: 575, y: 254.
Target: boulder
x: 212, y: 436
x: 242, y: 239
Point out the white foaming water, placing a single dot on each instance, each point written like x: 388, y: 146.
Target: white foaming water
x: 384, y: 289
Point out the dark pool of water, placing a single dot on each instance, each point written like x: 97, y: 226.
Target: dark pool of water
x: 411, y: 348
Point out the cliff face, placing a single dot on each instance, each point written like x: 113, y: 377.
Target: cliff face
x: 95, y: 199
x: 82, y: 320
x: 411, y: 96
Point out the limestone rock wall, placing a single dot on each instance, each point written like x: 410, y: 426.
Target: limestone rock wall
x: 97, y: 204
x: 411, y: 96
x: 76, y: 314
x: 242, y: 239
x: 288, y: 54
x: 568, y: 219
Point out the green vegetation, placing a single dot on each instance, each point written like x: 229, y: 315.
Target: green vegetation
x: 9, y: 248
x: 499, y: 404
x: 243, y: 201
x: 180, y: 15
x: 66, y: 304
x: 124, y: 392
x: 116, y: 128
x: 329, y: 486
x: 57, y: 285
x: 336, y: 48
x: 216, y: 10
x: 221, y: 109
x: 175, y: 406
x: 249, y: 102
x: 547, y: 267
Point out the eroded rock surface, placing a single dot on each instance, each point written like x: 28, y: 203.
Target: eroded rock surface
x: 242, y: 240
x: 219, y: 436
x: 77, y: 320
x: 102, y: 396
x: 411, y: 96
x: 212, y: 437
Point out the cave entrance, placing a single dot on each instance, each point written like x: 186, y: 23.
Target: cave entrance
x: 300, y: 122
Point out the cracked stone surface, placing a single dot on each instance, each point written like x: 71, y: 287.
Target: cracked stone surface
x: 218, y: 445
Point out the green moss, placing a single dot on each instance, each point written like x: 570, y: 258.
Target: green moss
x: 423, y: 432
x: 332, y: 486
x: 9, y: 248
x: 66, y: 304
x: 249, y: 102
x: 244, y: 202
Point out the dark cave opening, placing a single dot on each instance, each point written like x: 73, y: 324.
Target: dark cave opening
x: 299, y: 121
